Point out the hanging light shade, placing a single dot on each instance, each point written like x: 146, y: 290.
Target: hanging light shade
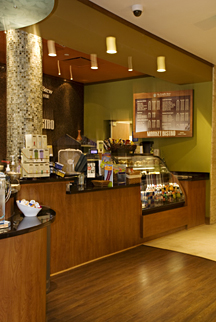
x: 161, y: 67
x: 111, y: 45
x: 59, y: 70
x: 51, y: 48
x: 71, y: 76
x: 130, y: 65
x: 94, y: 64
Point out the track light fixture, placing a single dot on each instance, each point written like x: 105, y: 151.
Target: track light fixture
x: 161, y: 67
x: 94, y: 64
x: 71, y: 76
x: 111, y: 45
x: 59, y: 70
x: 130, y: 65
x: 51, y: 48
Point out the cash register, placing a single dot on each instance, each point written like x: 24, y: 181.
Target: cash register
x: 93, y: 164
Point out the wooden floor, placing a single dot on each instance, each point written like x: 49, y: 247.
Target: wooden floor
x: 142, y: 284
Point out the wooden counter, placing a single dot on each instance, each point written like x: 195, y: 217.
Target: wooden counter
x: 97, y: 222
x: 23, y: 257
x: 23, y: 277
x: 192, y: 214
x: 88, y: 225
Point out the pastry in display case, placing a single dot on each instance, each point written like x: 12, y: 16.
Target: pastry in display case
x: 159, y: 187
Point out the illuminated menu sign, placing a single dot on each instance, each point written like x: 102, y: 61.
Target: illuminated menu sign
x: 164, y: 114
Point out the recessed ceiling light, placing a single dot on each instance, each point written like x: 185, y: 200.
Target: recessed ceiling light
x: 66, y: 54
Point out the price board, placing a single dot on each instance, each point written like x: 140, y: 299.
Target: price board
x: 163, y: 114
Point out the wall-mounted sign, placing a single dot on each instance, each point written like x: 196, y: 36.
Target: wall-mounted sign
x: 46, y: 92
x: 163, y: 114
x: 48, y: 124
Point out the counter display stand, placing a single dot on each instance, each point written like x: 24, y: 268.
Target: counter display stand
x: 160, y: 189
x: 93, y: 222
x: 162, y: 195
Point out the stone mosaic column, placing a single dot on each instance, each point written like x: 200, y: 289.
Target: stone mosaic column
x: 24, y: 88
x: 213, y: 154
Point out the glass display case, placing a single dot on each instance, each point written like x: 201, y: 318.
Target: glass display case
x: 159, y: 187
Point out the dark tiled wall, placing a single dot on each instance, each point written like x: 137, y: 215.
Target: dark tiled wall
x: 65, y: 105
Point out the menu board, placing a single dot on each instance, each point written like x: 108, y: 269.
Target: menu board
x: 163, y: 114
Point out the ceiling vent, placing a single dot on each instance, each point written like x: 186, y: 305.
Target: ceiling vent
x: 79, y: 61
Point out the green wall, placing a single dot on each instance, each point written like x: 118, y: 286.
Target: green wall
x: 114, y: 101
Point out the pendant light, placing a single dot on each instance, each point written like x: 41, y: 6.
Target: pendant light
x: 94, y: 64
x: 71, y: 76
x: 130, y: 65
x: 59, y: 70
x: 111, y: 45
x: 161, y: 67
x: 51, y: 48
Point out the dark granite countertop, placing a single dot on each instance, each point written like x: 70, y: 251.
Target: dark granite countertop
x: 19, y: 224
x: 90, y: 188
x: 46, y: 179
x: 191, y: 176
x: 74, y: 187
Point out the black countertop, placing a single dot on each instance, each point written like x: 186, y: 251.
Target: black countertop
x: 19, y: 224
x: 191, y: 176
x: 181, y: 175
x: 46, y: 179
x: 74, y: 187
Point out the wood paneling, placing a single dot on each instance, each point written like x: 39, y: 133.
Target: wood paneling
x: 88, y: 225
x: 161, y: 222
x: 196, y: 198
x: 23, y: 278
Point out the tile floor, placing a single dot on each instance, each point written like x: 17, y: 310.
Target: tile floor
x: 199, y: 241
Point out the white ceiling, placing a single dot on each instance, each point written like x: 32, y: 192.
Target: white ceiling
x: 189, y: 24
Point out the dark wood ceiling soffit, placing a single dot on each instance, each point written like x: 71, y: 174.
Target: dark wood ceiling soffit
x: 143, y: 31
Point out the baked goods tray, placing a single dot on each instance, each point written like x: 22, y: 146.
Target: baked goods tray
x: 100, y: 183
